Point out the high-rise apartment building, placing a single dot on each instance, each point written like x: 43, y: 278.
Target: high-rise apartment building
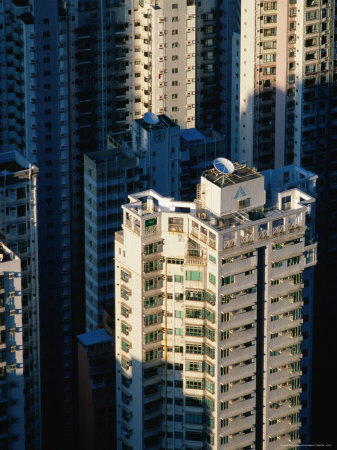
x: 12, y: 384
x: 209, y: 312
x: 286, y: 70
x: 96, y: 384
x: 155, y: 154
x: 18, y: 226
x: 287, y: 113
x: 181, y: 56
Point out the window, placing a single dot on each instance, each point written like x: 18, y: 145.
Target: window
x: 212, y: 259
x: 125, y: 276
x: 151, y: 337
x: 179, y: 331
x: 194, y: 384
x: 153, y: 248
x: 194, y: 313
x: 150, y: 320
x: 154, y: 283
x: 174, y: 32
x: 270, y: 57
x: 193, y: 366
x: 195, y: 349
x: 269, y: 5
x: 193, y: 418
x: 194, y: 331
x: 311, y: 15
x: 269, y: 32
x: 192, y: 275
x: 125, y: 345
x: 212, y: 278
x: 293, y: 261
x: 270, y: 19
x: 151, y: 355
x: 178, y: 278
x: 125, y: 328
x: 228, y: 280
x: 150, y: 302
x: 179, y: 314
x: 268, y: 45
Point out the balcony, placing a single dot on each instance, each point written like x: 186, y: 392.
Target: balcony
x: 240, y: 337
x: 240, y: 372
x: 239, y: 407
x: 244, y: 300
x: 286, y: 251
x: 285, y: 358
x: 243, y: 440
x: 282, y: 443
x: 284, y: 324
x: 240, y: 424
x: 240, y: 319
x: 239, y: 389
x: 238, y: 266
x: 284, y: 305
x: 282, y: 376
x: 284, y: 341
x: 239, y: 355
x: 281, y: 411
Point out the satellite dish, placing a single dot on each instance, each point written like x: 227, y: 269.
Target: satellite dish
x: 151, y: 118
x: 223, y: 165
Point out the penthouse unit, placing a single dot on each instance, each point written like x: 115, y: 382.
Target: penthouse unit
x: 12, y: 400
x: 18, y: 222
x: 209, y: 314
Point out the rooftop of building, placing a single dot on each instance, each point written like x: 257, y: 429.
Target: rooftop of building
x: 284, y: 202
x: 152, y: 121
x: 192, y: 135
x: 6, y: 254
x: 242, y: 173
x: 12, y: 162
x: 95, y: 337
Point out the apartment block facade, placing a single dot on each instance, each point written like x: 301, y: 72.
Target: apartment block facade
x: 287, y: 113
x: 159, y: 156
x: 12, y: 384
x: 18, y: 219
x: 213, y: 350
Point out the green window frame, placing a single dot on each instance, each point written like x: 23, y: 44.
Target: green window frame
x: 194, y: 275
x: 212, y: 278
x: 228, y: 280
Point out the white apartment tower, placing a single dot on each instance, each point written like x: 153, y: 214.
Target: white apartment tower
x: 12, y: 402
x: 286, y: 53
x: 18, y: 228
x: 180, y: 60
x: 208, y: 314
